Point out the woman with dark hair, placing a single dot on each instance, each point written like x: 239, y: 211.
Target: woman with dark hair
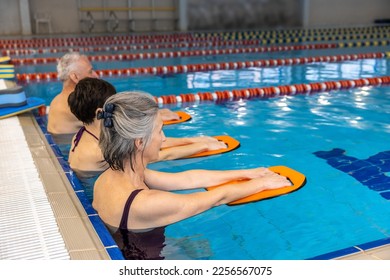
x: 132, y: 199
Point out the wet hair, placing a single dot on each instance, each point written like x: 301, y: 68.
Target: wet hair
x: 89, y: 95
x: 67, y: 63
x: 133, y: 117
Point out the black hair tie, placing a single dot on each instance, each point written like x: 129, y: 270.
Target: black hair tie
x: 107, y: 115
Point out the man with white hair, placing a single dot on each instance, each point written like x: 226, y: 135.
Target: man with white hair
x: 62, y: 124
x: 71, y: 68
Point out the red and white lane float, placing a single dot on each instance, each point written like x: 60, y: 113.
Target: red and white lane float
x: 267, y: 92
x: 173, y: 69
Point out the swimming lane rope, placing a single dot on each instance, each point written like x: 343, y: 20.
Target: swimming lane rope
x: 174, y: 69
x: 264, y: 92
x: 273, y: 91
x: 187, y: 53
x: 120, y: 45
x: 266, y: 36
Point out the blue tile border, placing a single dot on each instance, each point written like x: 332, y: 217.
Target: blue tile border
x: 351, y: 250
x: 336, y: 254
x: 86, y: 203
x: 75, y: 184
x: 115, y: 253
x: 105, y: 236
x: 54, y: 147
x: 374, y: 244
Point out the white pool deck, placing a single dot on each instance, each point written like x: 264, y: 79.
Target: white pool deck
x: 40, y: 215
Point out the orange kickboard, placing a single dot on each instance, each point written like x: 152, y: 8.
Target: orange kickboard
x: 230, y: 142
x: 183, y: 118
x: 297, y: 179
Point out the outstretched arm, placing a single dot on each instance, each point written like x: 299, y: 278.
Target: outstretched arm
x: 189, y: 149
x: 193, y: 179
x: 179, y: 141
x: 153, y: 208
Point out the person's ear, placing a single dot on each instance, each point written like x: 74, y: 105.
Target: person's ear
x: 97, y: 111
x: 139, y: 144
x: 73, y: 77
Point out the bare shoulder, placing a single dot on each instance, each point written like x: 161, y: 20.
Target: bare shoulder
x: 57, y: 105
x: 56, y: 100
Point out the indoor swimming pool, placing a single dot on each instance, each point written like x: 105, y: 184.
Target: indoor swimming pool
x: 337, y: 138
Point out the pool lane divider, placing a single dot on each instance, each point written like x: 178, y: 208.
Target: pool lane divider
x: 177, y: 69
x: 266, y: 37
x: 187, y: 53
x: 206, y: 35
x: 272, y: 91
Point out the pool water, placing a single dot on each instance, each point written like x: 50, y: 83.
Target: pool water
x: 334, y: 210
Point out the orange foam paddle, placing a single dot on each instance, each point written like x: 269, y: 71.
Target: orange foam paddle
x: 230, y: 142
x: 183, y: 118
x: 297, y: 179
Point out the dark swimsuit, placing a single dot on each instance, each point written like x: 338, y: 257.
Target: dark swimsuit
x: 86, y: 177
x: 79, y: 134
x: 145, y: 245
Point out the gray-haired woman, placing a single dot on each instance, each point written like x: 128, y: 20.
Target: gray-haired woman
x: 130, y: 197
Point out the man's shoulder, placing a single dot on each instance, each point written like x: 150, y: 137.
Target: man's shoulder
x: 55, y: 100
x: 60, y: 101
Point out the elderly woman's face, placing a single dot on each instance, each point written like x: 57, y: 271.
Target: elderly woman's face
x: 158, y: 137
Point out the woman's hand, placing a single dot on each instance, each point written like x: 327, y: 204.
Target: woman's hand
x: 257, y: 172
x: 203, y: 139
x: 216, y: 145
x: 211, y: 142
x: 270, y: 181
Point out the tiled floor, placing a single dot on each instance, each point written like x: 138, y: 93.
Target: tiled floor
x: 77, y: 232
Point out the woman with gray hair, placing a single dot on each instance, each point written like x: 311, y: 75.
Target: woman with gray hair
x: 85, y: 156
x: 131, y: 137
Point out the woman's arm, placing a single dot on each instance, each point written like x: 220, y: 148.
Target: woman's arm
x: 193, y: 179
x: 154, y: 208
x: 173, y: 142
x: 188, y: 150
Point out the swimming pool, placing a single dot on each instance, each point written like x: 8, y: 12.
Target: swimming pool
x: 334, y: 210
